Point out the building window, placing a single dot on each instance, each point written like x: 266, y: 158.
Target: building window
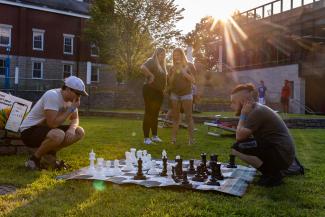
x: 68, y: 44
x: 5, y: 35
x: 94, y: 73
x: 94, y: 50
x: 37, y: 70
x: 67, y: 70
x: 2, y: 67
x: 38, y: 39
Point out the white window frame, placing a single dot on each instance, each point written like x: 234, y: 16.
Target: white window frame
x: 71, y: 69
x: 4, y: 61
x: 8, y: 27
x: 97, y: 66
x: 42, y: 69
x: 92, y: 45
x: 41, y: 32
x: 72, y: 41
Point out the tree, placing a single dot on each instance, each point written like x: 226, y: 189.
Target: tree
x: 204, y: 39
x: 126, y: 31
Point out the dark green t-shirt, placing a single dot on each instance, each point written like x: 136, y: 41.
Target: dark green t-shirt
x: 159, y: 82
x: 270, y: 130
x: 180, y: 85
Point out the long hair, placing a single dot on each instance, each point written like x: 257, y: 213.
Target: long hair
x: 183, y: 56
x: 158, y: 51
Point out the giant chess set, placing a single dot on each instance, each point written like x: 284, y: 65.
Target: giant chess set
x: 139, y: 168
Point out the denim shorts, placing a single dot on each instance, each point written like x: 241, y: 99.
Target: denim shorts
x: 175, y: 97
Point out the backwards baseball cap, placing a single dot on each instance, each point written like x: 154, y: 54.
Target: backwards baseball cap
x: 76, y: 84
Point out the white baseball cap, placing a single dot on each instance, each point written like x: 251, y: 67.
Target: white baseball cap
x: 76, y: 84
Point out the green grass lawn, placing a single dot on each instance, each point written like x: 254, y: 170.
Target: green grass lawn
x: 206, y: 114
x: 40, y: 194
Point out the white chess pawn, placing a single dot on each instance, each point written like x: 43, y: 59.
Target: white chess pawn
x: 144, y: 156
x: 108, y: 169
x: 128, y: 162
x: 163, y: 154
x: 139, y: 155
x: 117, y: 170
x: 100, y: 162
x: 100, y: 168
x: 133, y: 157
x: 153, y: 170
x: 92, y: 158
x: 149, y: 157
x: 147, y: 163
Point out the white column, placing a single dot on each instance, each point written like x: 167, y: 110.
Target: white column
x: 88, y: 73
x: 16, y: 75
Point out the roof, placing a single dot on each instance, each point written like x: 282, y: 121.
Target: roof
x: 69, y: 7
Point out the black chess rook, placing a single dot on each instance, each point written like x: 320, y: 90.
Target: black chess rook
x: 231, y: 162
x: 214, y: 174
x: 191, y: 169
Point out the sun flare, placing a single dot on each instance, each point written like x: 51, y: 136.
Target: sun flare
x: 222, y: 15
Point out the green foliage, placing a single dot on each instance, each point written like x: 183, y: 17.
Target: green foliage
x: 40, y: 194
x: 204, y: 40
x: 127, y: 31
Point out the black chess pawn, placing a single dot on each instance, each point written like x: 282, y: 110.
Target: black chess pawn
x: 214, y: 157
x: 191, y: 169
x: 199, y: 174
x: 139, y: 175
x: 179, y: 168
x: 204, y: 158
x: 219, y: 175
x: 174, y: 176
x: 164, y: 170
x: 213, y: 179
x: 204, y: 162
x: 231, y: 163
x: 185, y: 181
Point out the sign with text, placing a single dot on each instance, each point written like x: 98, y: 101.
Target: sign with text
x: 16, y: 117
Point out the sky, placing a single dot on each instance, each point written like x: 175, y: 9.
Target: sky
x: 197, y: 9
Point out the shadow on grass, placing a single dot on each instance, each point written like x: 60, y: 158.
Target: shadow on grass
x: 56, y: 200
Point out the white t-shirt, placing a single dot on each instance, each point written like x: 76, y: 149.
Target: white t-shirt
x: 51, y: 100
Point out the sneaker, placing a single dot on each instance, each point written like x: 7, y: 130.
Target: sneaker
x: 147, y: 141
x: 270, y: 181
x: 156, y: 139
x: 61, y: 165
x: 48, y: 161
x: 32, y: 165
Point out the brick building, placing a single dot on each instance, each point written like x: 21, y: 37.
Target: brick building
x: 47, y: 44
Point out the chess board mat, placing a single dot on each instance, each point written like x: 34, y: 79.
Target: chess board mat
x: 236, y: 180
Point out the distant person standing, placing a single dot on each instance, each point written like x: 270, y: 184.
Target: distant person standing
x: 261, y: 93
x: 155, y: 72
x: 285, y: 95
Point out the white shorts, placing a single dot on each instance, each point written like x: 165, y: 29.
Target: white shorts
x: 175, y: 97
x: 261, y: 100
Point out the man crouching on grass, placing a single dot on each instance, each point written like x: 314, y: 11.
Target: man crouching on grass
x: 43, y: 127
x: 262, y: 138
